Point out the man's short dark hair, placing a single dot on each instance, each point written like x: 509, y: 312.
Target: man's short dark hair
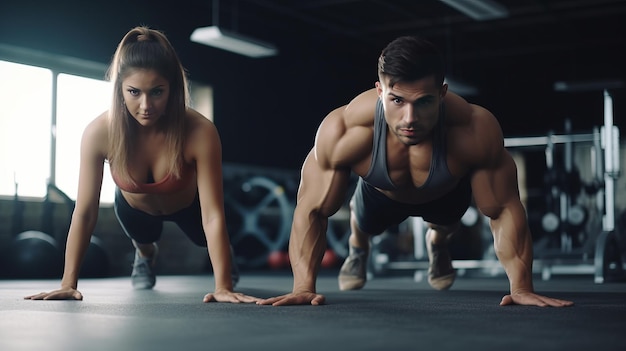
x: 409, y: 58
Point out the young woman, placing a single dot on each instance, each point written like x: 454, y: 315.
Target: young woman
x: 165, y: 159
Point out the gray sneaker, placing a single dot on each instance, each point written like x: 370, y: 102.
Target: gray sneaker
x: 143, y: 276
x: 353, y: 272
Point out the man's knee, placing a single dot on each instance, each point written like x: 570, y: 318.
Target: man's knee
x: 355, y: 226
x: 444, y: 229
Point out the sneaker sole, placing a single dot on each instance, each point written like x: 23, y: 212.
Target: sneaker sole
x: 442, y: 283
x: 143, y: 286
x: 350, y: 283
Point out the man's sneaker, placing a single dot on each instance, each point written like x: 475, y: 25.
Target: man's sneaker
x: 353, y: 272
x: 234, y: 273
x: 441, y: 274
x: 143, y: 276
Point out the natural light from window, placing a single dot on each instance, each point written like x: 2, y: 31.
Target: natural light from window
x: 25, y: 120
x: 79, y: 101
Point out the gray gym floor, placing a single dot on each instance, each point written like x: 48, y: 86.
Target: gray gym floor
x: 390, y: 313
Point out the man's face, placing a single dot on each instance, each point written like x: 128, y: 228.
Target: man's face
x: 411, y: 108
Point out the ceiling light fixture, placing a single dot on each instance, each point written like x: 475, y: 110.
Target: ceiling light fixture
x: 218, y: 38
x: 460, y: 87
x: 230, y: 41
x: 480, y: 10
x: 563, y: 86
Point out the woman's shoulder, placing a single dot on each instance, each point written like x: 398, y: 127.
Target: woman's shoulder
x: 200, y: 129
x: 196, y: 120
x: 99, y: 126
x: 96, y: 133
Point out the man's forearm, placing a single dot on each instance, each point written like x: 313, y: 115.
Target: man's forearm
x: 306, y: 248
x: 513, y: 246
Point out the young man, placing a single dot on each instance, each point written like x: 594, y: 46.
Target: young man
x: 419, y: 150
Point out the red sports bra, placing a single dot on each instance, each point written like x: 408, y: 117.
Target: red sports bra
x: 166, y: 185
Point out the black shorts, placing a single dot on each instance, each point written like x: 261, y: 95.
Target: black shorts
x: 145, y: 228
x: 374, y: 212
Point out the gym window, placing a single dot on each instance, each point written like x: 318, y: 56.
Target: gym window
x: 27, y: 129
x: 79, y: 101
x: 26, y: 107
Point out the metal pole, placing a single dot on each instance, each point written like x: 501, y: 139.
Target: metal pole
x: 53, y: 132
x: 417, y: 225
x: 545, y: 140
x: 609, y: 169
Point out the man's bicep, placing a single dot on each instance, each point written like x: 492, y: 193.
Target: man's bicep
x: 495, y: 187
x: 322, y: 188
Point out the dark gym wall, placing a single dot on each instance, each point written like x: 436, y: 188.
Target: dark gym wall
x: 263, y: 105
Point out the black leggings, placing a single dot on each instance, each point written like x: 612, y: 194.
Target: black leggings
x: 145, y: 228
x: 375, y: 212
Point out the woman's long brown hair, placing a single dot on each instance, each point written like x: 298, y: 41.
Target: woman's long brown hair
x: 145, y: 48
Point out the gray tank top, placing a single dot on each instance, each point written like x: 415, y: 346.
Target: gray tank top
x: 438, y: 177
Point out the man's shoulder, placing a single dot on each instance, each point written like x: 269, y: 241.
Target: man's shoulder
x: 461, y: 114
x: 358, y: 114
x: 474, y: 133
x: 344, y: 137
x: 361, y: 109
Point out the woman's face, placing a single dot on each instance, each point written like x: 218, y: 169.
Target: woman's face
x: 146, y: 94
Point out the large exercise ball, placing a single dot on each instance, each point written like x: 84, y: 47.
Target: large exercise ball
x: 33, y: 255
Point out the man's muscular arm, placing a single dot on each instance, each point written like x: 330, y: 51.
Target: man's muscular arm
x: 322, y: 191
x: 495, y: 189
